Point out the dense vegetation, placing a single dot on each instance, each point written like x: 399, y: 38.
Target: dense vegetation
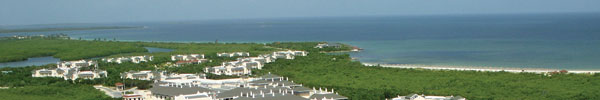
x: 352, y: 79
x: 16, y: 50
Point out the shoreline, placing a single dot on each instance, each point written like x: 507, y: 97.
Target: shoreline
x: 488, y: 69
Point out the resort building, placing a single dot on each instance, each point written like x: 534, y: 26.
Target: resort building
x: 423, y: 97
x: 288, y: 54
x: 228, y: 70
x: 143, y: 75
x: 70, y: 70
x: 76, y: 64
x: 56, y: 72
x: 133, y: 59
x: 326, y: 45
x: 87, y: 75
x: 266, y: 87
x: 244, y: 66
x: 187, y: 57
x: 234, y: 54
x: 180, y: 93
x: 198, y: 61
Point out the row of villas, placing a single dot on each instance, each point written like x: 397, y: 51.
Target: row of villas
x: 266, y: 87
x: 234, y: 54
x: 71, y: 70
x: 189, y: 59
x: 133, y: 59
x: 244, y: 66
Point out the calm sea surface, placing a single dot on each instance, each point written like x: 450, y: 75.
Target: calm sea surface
x: 561, y: 41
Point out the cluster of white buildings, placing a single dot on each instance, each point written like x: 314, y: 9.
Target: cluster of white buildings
x: 143, y: 75
x: 424, y: 97
x: 71, y: 70
x: 244, y: 66
x: 234, y: 54
x: 267, y: 87
x: 133, y: 59
x: 326, y: 45
x: 189, y: 59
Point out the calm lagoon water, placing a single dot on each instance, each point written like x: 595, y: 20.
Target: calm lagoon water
x: 31, y: 61
x: 562, y: 41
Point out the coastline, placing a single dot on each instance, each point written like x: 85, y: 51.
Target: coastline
x: 488, y: 69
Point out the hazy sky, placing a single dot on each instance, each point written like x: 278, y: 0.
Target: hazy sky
x: 20, y: 12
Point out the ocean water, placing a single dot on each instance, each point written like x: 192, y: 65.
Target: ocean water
x: 558, y: 41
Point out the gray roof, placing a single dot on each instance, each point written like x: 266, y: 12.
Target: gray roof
x: 60, y: 71
x: 174, y: 91
x: 45, y: 71
x: 271, y: 97
x: 173, y: 78
x: 328, y: 96
x: 237, y: 91
x: 301, y: 89
x: 140, y: 75
x: 259, y: 82
x: 196, y: 96
x: 284, y: 82
x: 410, y: 96
x: 88, y: 75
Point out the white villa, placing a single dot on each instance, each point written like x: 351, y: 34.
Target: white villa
x: 56, y: 72
x: 88, y: 74
x: 142, y: 75
x: 228, y: 70
x: 133, y: 59
x: 234, y: 54
x: 288, y: 54
x: 325, y: 45
x: 187, y: 57
x: 76, y: 64
x: 423, y: 97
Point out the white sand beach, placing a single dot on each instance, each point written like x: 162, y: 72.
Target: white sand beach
x: 476, y: 68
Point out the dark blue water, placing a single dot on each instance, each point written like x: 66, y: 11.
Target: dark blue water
x: 564, y: 41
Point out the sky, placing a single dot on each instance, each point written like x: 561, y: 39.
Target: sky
x: 25, y: 12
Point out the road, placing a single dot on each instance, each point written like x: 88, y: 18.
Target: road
x: 109, y: 92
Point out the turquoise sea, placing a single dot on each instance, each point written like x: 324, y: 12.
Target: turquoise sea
x: 559, y: 41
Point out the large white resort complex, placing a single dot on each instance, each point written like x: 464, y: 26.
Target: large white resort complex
x: 196, y: 86
x: 266, y: 87
x: 244, y: 66
x: 133, y: 59
x: 71, y: 70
